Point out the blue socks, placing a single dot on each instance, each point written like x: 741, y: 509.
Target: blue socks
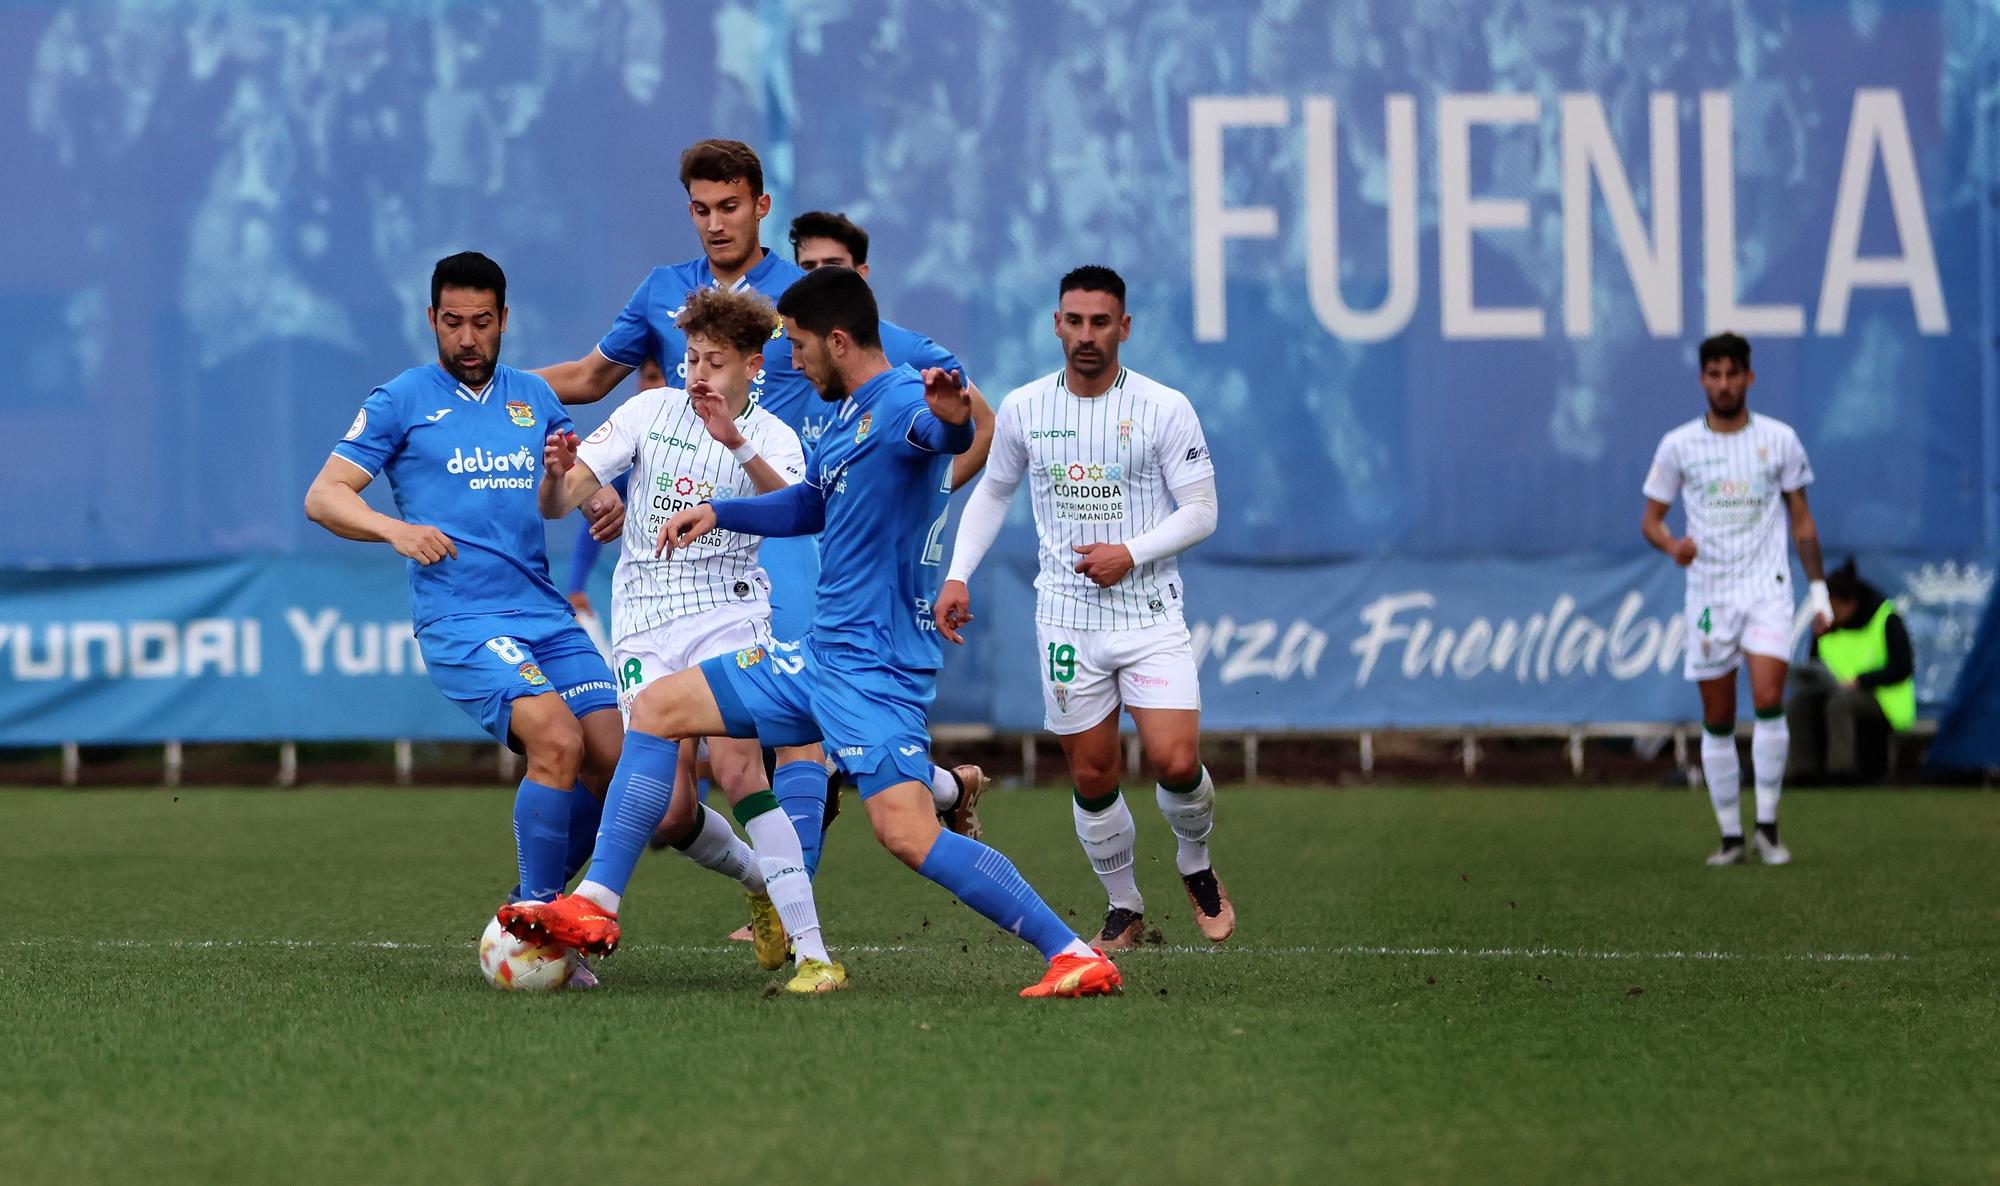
x: 641, y: 790
x: 586, y: 811
x: 988, y: 882
x: 801, y: 791
x: 541, y: 840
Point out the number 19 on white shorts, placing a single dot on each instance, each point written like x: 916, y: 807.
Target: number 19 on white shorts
x: 1087, y: 674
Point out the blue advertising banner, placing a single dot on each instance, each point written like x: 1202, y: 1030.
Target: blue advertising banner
x: 321, y: 648
x: 1431, y: 272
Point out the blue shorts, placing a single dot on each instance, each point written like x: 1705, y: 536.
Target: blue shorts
x: 483, y: 661
x: 874, y: 720
x: 793, y: 566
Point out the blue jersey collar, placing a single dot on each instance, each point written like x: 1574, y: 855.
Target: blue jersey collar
x: 447, y: 379
x: 750, y: 279
x: 864, y: 396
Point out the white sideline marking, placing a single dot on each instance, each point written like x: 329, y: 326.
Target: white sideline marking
x: 1495, y: 953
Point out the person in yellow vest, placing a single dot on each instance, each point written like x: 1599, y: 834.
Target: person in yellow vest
x: 1858, y: 689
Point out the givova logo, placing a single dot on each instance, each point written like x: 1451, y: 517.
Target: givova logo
x: 520, y: 464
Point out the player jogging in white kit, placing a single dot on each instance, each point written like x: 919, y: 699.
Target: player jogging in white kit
x: 1122, y: 483
x: 1741, y: 480
x: 711, y: 598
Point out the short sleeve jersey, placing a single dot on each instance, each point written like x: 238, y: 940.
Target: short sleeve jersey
x: 466, y: 463
x: 1731, y: 485
x: 675, y: 464
x: 882, y: 544
x: 1100, y: 469
x: 645, y: 329
x: 905, y: 347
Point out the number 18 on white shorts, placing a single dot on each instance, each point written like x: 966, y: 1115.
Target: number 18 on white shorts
x: 1087, y: 674
x: 684, y: 642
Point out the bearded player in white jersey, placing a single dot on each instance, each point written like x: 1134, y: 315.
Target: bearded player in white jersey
x: 671, y: 612
x: 1122, y: 483
x: 1732, y: 471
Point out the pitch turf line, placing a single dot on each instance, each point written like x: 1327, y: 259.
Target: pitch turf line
x: 1496, y: 953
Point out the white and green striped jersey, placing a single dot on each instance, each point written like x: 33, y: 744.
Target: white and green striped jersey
x: 1100, y: 469
x: 675, y: 464
x: 1731, y: 484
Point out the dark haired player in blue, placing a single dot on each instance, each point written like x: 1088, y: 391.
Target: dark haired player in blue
x: 863, y: 679
x: 724, y: 181
x: 461, y: 440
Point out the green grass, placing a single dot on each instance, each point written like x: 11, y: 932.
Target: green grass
x: 1295, y: 1054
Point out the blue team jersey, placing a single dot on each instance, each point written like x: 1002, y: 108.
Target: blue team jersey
x: 909, y: 348
x: 466, y: 463
x: 883, y: 537
x: 645, y: 329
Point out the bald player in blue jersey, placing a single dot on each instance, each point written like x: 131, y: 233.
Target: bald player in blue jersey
x: 461, y: 442
x: 863, y: 679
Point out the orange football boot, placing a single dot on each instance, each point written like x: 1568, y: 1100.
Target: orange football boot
x: 1092, y: 975
x: 570, y: 921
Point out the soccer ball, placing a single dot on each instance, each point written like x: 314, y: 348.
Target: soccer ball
x: 522, y: 967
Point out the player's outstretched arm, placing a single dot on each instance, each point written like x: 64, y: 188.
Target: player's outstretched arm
x: 334, y: 502
x: 979, y: 525
x: 966, y: 465
x: 585, y: 380
x: 566, y: 481
x: 1805, y: 537
x: 796, y: 510
x: 1653, y: 525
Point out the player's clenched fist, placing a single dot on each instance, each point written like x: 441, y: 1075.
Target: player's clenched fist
x: 559, y: 453
x: 1104, y: 564
x: 945, y: 392
x: 606, y: 513
x: 425, y: 545
x: 953, y: 609
x: 1683, y: 552
x: 686, y: 527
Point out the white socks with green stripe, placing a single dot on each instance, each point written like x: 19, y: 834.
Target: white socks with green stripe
x: 715, y: 845
x: 1190, y: 812
x: 1723, y: 772
x: 1770, y: 747
x: 783, y: 865
x: 1105, y: 828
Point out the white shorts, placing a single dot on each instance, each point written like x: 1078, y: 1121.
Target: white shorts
x: 641, y: 658
x: 1087, y: 674
x: 1718, y: 636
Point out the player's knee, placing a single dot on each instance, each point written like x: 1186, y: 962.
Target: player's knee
x: 906, y: 839
x: 809, y: 752
x: 654, y: 710
x: 738, y: 774
x: 1094, y: 775
x: 1178, y: 765
x: 555, y: 754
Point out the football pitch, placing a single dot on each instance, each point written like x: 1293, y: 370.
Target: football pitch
x: 1426, y: 986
